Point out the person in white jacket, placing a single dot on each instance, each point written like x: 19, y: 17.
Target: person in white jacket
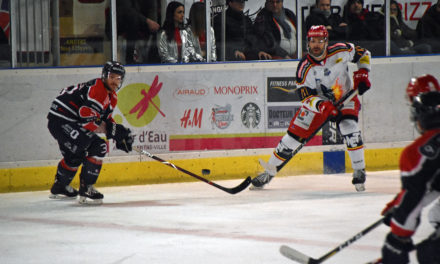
x: 175, y: 42
x: 197, y: 26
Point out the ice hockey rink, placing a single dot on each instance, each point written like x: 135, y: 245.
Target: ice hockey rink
x: 189, y: 223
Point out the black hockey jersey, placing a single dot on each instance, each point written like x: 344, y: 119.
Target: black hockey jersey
x: 87, y: 104
x: 420, y: 170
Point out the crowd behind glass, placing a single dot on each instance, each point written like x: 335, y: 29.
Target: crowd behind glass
x: 151, y: 32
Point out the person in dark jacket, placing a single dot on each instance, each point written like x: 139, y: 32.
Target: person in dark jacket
x: 135, y: 21
x: 241, y: 42
x: 321, y: 14
x: 364, y: 27
x: 428, y: 27
x: 403, y: 38
x: 276, y: 27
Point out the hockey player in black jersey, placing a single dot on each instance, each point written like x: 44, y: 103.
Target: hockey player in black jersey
x: 75, y: 116
x: 420, y: 177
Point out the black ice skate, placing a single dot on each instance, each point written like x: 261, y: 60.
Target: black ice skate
x: 59, y: 191
x: 89, y: 195
x: 358, y: 181
x: 261, y: 180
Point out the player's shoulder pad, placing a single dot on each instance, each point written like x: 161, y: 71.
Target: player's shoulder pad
x: 431, y: 148
x: 359, y: 53
x: 303, y: 68
x: 98, y: 93
x: 338, y: 47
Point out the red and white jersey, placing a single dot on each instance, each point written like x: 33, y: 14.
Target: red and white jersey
x: 420, y: 170
x: 313, y: 77
x: 87, y: 104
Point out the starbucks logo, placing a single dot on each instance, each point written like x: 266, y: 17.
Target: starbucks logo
x: 250, y: 115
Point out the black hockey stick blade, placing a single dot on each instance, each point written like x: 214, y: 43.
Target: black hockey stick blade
x: 295, y: 255
x: 234, y: 190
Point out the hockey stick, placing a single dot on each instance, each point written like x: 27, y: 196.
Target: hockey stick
x: 346, y: 98
x: 234, y: 190
x: 297, y: 256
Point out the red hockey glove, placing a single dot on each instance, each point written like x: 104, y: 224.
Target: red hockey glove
x: 361, y: 81
x: 329, y: 110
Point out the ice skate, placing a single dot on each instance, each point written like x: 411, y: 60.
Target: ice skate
x: 261, y: 180
x: 59, y: 191
x: 89, y: 195
x: 358, y: 181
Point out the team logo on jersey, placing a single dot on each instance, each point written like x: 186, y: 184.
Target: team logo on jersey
x: 250, y: 115
x: 221, y: 116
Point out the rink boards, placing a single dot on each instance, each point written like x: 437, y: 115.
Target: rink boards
x: 224, y: 165
x: 220, y: 116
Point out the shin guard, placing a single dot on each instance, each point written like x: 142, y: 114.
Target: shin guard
x: 353, y: 139
x: 65, y: 172
x: 284, y: 150
x: 90, y: 171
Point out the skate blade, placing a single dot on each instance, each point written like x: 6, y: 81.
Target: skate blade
x: 253, y: 188
x: 61, y: 197
x: 360, y: 187
x: 85, y: 200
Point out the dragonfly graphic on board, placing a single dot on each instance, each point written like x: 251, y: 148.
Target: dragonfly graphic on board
x: 144, y: 103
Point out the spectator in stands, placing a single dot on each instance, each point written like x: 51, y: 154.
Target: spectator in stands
x: 275, y: 27
x: 241, y: 42
x: 364, y: 27
x: 5, y: 50
x: 403, y: 38
x: 134, y: 21
x: 428, y: 27
x: 197, y: 25
x: 175, y: 42
x: 321, y: 14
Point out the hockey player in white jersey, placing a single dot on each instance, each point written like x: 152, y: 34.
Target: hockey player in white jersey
x: 322, y: 79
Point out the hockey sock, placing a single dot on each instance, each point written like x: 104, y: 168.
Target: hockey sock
x: 353, y: 139
x: 90, y: 171
x: 284, y: 150
x: 65, y: 173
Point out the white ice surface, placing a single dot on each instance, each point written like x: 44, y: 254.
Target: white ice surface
x: 190, y: 223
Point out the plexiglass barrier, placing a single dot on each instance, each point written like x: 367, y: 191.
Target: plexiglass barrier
x: 46, y: 33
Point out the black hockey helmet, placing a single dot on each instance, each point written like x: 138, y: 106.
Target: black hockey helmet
x: 425, y: 110
x: 113, y: 67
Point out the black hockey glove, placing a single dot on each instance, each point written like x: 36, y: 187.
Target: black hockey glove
x: 121, y: 135
x: 126, y: 143
x: 396, y: 249
x: 116, y: 131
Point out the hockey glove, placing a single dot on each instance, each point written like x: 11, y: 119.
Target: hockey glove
x: 361, y: 81
x: 116, y: 131
x: 327, y: 109
x: 396, y: 249
x: 126, y: 144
